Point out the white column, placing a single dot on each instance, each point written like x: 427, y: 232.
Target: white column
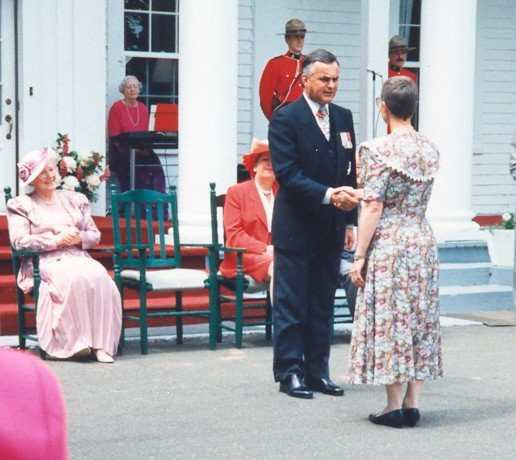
x: 447, y: 105
x: 378, y: 34
x: 208, y: 69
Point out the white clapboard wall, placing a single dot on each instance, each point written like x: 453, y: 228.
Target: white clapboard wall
x: 332, y: 24
x: 494, y: 191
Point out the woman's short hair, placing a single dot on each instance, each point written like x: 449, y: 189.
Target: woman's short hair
x: 319, y: 55
x: 400, y: 96
x: 126, y: 80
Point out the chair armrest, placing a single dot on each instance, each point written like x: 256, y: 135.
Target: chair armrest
x: 110, y: 250
x: 197, y: 245
x: 235, y: 250
x: 25, y: 253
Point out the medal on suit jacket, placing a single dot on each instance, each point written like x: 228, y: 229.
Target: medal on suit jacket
x: 345, y: 139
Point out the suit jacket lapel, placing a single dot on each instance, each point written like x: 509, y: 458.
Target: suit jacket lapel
x: 334, y: 136
x: 308, y: 119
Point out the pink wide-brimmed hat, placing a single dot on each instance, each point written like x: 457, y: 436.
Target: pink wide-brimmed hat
x: 32, y: 410
x: 31, y: 165
x: 258, y: 148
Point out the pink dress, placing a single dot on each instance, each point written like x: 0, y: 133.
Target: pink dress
x: 79, y: 304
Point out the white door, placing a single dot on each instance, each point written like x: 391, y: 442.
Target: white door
x: 7, y: 100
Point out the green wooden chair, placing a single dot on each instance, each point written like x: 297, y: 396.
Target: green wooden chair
x: 141, y: 261
x: 242, y: 291
x: 23, y: 301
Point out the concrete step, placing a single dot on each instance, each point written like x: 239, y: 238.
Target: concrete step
x: 463, y: 252
x: 484, y: 297
x: 501, y: 275
x: 464, y: 274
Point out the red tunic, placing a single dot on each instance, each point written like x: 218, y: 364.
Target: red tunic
x: 123, y: 119
x: 402, y: 73
x: 280, y: 82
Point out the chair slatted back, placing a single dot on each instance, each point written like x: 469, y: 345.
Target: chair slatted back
x: 140, y: 227
x: 216, y: 202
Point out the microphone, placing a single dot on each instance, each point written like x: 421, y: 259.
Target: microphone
x: 375, y: 73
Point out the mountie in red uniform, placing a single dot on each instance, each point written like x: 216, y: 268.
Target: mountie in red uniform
x: 402, y: 73
x: 281, y: 82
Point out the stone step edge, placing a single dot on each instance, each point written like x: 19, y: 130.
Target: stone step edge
x: 475, y: 289
x: 464, y: 265
x: 462, y: 244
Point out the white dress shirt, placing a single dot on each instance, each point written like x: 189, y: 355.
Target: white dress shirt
x: 323, y: 123
x: 267, y: 199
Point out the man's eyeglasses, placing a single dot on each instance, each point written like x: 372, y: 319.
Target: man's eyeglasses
x: 378, y: 102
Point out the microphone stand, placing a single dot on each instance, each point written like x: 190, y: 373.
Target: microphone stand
x: 374, y: 74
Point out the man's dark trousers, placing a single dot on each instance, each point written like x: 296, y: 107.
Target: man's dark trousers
x: 303, y: 302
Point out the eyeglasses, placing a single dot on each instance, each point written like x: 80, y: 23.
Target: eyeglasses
x: 266, y: 159
x: 378, y: 102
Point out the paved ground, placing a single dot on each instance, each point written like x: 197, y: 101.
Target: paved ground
x: 191, y: 403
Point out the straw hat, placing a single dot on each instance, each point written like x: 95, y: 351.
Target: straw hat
x: 258, y: 148
x: 32, y: 164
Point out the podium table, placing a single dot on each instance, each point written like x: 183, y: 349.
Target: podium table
x: 146, y: 139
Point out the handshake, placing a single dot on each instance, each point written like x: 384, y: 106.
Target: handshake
x: 345, y: 198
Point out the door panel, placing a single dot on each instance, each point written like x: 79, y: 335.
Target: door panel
x: 7, y: 99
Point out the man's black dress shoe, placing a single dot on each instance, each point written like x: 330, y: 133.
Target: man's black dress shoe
x: 411, y: 416
x: 393, y: 419
x: 294, y: 386
x: 325, y: 386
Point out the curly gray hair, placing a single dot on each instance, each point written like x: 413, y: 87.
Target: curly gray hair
x: 125, y: 82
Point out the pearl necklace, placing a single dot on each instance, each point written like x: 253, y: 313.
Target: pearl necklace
x: 137, y: 122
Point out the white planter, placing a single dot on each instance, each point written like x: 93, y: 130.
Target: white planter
x: 501, y: 247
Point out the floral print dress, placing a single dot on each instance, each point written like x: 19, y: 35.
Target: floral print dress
x: 396, y: 335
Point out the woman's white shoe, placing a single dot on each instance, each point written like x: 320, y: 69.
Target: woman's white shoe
x: 103, y: 357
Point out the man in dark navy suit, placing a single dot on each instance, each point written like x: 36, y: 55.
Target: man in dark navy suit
x: 312, y: 143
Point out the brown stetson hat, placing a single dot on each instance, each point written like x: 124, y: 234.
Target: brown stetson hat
x: 397, y: 42
x: 294, y: 27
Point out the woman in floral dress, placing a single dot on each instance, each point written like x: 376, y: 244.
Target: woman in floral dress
x: 396, y: 337
x: 79, y: 306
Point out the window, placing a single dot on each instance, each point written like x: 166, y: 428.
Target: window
x: 409, y: 27
x: 151, y: 30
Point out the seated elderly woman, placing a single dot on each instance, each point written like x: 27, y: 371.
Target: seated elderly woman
x: 125, y: 116
x: 248, y: 216
x: 79, y: 306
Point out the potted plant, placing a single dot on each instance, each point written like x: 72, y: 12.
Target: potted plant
x: 501, y: 241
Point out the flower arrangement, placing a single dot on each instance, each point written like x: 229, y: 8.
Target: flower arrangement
x: 508, y: 220
x: 80, y: 171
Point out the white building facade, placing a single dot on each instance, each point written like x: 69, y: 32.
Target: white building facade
x: 62, y: 61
